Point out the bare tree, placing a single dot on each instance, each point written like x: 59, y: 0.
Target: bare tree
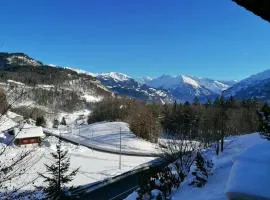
x: 12, y: 166
x: 180, y: 148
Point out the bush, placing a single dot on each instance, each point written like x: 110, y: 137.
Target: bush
x: 159, y: 185
x: 202, y: 170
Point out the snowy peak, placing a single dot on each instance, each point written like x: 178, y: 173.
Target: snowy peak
x: 115, y: 76
x: 172, y: 82
x: 190, y: 81
x: 164, y: 81
x: 122, y: 84
x: 144, y: 79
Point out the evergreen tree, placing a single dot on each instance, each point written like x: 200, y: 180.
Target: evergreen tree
x: 63, y: 121
x: 264, y: 120
x: 59, y: 175
x: 55, y: 123
x: 40, y: 121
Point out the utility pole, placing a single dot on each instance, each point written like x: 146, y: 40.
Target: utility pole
x: 120, y: 146
x: 79, y: 135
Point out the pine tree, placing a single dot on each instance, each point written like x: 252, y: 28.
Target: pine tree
x: 59, y: 175
x: 264, y: 120
x: 40, y: 121
x: 63, y: 121
x: 55, y: 123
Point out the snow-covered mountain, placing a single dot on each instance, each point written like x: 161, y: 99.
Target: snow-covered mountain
x: 50, y: 90
x: 186, y: 88
x: 257, y: 85
x: 124, y: 85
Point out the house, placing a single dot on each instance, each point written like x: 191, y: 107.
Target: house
x: 28, y: 134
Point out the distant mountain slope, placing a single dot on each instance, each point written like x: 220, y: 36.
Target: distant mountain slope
x: 51, y: 89
x: 124, y: 85
x: 186, y: 88
x: 257, y: 85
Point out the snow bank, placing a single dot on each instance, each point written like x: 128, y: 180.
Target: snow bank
x: 217, y: 183
x: 250, y: 173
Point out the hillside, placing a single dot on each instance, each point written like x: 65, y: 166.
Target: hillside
x: 51, y: 90
x: 124, y: 85
x: 255, y: 86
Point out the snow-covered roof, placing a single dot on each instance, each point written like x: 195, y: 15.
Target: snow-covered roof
x: 28, y: 131
x: 250, y: 174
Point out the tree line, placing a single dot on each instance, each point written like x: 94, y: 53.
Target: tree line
x: 209, y: 122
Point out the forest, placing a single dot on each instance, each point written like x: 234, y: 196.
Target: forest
x: 208, y: 123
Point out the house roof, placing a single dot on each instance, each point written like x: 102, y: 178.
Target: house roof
x: 28, y: 131
x: 258, y: 7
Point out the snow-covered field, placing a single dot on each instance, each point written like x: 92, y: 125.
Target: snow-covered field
x: 106, y: 136
x: 94, y: 166
x: 217, y: 183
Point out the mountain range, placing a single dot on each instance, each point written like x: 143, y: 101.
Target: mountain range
x: 76, y: 89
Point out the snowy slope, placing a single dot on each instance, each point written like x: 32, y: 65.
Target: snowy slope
x: 250, y: 173
x: 93, y: 165
x: 124, y: 85
x: 171, y: 82
x: 253, y: 86
x: 215, y: 187
x: 186, y: 88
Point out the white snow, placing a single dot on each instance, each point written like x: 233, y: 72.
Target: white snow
x: 93, y: 165
x: 190, y: 81
x: 116, y: 76
x: 91, y: 98
x: 172, y: 82
x: 44, y: 86
x: 80, y: 71
x: 215, y: 187
x: 15, y: 82
x: 250, y: 173
x: 13, y: 115
x: 106, y: 136
x: 6, y: 123
x: 165, y: 82
x: 28, y: 131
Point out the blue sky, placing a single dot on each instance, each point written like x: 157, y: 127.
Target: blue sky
x: 210, y: 38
